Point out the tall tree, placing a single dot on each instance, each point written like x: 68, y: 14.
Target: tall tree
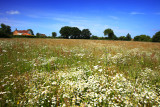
x: 110, y: 34
x: 128, y: 37
x: 65, y: 32
x: 5, y: 31
x: 54, y: 34
x: 31, y: 31
x: 156, y: 37
x: 85, y: 34
x: 75, y: 33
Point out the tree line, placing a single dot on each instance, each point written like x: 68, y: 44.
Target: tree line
x: 74, y: 33
x: 68, y: 32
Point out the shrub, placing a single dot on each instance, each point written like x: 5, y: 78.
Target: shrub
x: 94, y: 37
x: 142, y: 38
x: 23, y: 36
x: 156, y: 37
x: 122, y: 38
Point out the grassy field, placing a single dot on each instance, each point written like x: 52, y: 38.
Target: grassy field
x: 58, y: 72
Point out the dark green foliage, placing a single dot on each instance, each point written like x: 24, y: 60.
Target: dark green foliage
x: 31, y: 31
x: 94, y: 37
x: 115, y: 37
x: 75, y: 33
x: 5, y: 31
x: 156, y: 37
x: 23, y: 36
x: 142, y: 38
x: 54, y: 34
x: 137, y: 38
x: 65, y: 32
x: 122, y: 38
x: 128, y: 37
x: 102, y: 38
x: 85, y: 34
x: 38, y: 35
x: 110, y: 34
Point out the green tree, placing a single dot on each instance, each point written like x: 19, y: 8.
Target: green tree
x: 122, y: 38
x: 110, y: 34
x: 31, y: 31
x: 156, y: 37
x: 85, y: 34
x: 54, y: 34
x: 5, y: 31
x: 128, y: 37
x: 38, y: 35
x: 65, y: 32
x: 142, y: 38
x: 137, y: 38
x: 94, y: 37
x: 75, y: 33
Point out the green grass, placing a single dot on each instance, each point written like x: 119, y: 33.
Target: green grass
x: 57, y: 72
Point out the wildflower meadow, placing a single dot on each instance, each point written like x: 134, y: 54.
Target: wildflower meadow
x: 85, y: 73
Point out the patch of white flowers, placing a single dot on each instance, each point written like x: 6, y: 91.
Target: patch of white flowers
x: 114, y: 59
x: 49, y: 60
x: 83, y: 87
x: 43, y: 61
x: 80, y: 54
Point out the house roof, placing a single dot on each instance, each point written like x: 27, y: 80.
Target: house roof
x: 22, y: 31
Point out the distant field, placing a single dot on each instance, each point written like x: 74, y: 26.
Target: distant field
x: 67, y: 72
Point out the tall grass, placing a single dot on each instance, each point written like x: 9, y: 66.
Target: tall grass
x: 57, y: 72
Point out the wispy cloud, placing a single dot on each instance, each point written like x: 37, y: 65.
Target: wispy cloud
x: 54, y: 22
x: 136, y: 13
x: 13, y: 12
x: 114, y: 17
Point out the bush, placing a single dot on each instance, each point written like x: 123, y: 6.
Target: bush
x: 122, y: 38
x: 94, y: 37
x: 142, y: 38
x: 23, y: 36
x: 156, y: 37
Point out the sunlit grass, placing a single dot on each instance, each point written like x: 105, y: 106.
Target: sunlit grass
x: 35, y: 72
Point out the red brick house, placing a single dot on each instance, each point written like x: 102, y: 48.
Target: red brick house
x: 22, y: 32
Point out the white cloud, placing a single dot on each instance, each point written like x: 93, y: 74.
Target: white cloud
x: 114, y: 17
x: 12, y: 12
x: 56, y: 21
x: 136, y: 13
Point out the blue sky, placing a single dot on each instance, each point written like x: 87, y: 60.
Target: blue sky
x: 45, y: 16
